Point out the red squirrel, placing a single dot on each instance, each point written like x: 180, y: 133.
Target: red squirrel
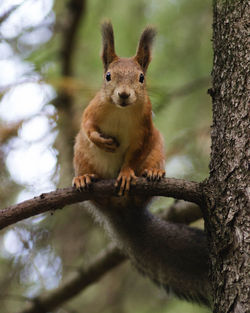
x: 117, y: 138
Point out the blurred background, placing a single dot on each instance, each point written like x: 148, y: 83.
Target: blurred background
x: 50, y: 68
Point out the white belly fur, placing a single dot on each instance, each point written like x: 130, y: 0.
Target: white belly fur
x: 119, y: 124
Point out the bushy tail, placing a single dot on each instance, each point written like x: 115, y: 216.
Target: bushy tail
x: 174, y: 256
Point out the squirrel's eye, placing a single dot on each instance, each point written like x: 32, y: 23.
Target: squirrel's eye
x: 108, y: 76
x: 141, y: 78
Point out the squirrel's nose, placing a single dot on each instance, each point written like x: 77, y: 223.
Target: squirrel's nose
x: 123, y: 95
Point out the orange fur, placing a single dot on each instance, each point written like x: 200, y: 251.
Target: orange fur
x: 117, y: 138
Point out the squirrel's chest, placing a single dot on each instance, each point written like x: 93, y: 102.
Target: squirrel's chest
x: 121, y: 126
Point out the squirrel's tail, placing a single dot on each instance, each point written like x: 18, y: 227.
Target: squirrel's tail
x: 174, y: 256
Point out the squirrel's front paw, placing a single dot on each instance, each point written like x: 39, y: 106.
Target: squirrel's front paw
x: 124, y: 180
x: 153, y: 174
x: 84, y: 181
x: 104, y: 142
x: 109, y: 144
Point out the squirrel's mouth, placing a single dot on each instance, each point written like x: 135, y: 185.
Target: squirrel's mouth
x: 124, y: 104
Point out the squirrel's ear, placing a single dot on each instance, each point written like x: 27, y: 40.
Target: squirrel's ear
x: 143, y: 54
x: 108, y: 45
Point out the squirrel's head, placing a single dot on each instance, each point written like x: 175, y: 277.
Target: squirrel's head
x: 124, y: 78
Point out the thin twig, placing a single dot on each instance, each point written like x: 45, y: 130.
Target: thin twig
x: 105, y: 261
x: 6, y: 14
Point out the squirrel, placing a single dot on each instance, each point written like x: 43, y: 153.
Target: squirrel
x: 117, y: 139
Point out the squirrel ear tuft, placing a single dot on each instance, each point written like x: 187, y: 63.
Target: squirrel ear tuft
x: 143, y: 54
x: 108, y: 45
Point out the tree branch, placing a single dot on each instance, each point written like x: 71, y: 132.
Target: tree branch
x: 64, y: 103
x: 186, y: 89
x: 9, y: 131
x: 6, y: 14
x: 179, y: 212
x: 105, y: 261
x: 76, y: 9
x: 168, y: 187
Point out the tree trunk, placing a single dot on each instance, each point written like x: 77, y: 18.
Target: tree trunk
x: 227, y: 217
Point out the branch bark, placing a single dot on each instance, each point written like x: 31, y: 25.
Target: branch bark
x: 168, y: 187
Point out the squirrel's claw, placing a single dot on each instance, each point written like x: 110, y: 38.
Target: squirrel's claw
x: 83, y: 182
x: 153, y: 174
x: 125, y: 179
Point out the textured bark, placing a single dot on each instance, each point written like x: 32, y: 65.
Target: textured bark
x: 227, y: 219
x: 169, y: 187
